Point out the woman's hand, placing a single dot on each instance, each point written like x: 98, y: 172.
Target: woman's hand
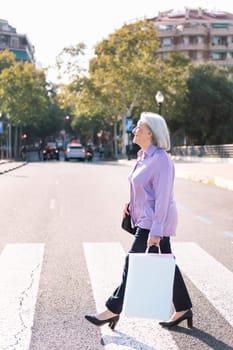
x: 126, y: 209
x: 153, y: 240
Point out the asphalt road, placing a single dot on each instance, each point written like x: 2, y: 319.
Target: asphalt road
x: 60, y: 209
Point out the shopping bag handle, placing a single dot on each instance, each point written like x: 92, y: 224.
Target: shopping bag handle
x: 148, y: 248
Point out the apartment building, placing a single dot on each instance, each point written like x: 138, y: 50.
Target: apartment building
x: 201, y: 35
x: 16, y: 43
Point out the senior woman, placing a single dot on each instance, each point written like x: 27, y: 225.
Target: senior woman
x: 153, y: 214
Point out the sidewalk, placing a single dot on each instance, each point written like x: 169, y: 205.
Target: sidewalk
x: 211, y: 171
x: 8, y: 165
x: 219, y: 173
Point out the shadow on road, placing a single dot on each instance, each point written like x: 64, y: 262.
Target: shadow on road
x: 204, y: 337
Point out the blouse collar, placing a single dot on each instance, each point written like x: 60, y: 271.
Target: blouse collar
x: 148, y: 153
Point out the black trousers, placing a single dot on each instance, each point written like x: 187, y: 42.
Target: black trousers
x: 181, y: 299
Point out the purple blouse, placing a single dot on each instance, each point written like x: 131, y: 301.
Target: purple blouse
x: 152, y: 205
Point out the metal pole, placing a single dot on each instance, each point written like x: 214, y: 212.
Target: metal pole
x: 160, y: 107
x: 9, y: 142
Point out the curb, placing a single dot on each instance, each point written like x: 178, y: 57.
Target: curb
x: 191, y: 159
x: 207, y: 180
x: 11, y: 168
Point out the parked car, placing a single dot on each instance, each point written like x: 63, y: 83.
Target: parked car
x: 75, y: 151
x: 51, y: 151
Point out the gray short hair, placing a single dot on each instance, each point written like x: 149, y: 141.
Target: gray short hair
x: 159, y: 129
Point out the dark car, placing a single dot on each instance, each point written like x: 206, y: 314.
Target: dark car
x: 51, y: 151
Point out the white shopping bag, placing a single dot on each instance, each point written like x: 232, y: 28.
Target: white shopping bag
x: 149, y: 286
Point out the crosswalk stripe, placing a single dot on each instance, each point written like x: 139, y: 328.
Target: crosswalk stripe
x: 213, y: 279
x: 20, y: 267
x: 105, y: 262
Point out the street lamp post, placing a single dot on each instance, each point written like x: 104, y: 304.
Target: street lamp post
x: 129, y: 128
x: 9, y: 136
x: 159, y: 99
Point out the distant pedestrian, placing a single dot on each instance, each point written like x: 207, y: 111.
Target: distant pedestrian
x: 24, y: 153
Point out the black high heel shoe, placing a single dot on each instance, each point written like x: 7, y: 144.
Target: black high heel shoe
x: 188, y: 315
x: 111, y: 321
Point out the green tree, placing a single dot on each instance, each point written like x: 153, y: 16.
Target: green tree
x: 25, y: 97
x: 174, y: 84
x: 7, y: 59
x: 121, y: 74
x: 23, y: 93
x: 209, y: 111
x: 69, y: 62
x: 124, y: 67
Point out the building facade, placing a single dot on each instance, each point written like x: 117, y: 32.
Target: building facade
x: 201, y: 35
x: 16, y: 43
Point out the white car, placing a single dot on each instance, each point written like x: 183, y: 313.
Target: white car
x: 75, y: 151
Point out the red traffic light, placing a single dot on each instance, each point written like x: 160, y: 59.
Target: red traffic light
x: 67, y: 117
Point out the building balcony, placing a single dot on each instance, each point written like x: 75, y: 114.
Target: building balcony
x: 166, y: 33
x: 167, y: 48
x: 221, y: 31
x: 196, y: 47
x: 226, y: 62
x: 181, y: 30
x: 6, y: 46
x: 200, y: 31
x: 224, y: 48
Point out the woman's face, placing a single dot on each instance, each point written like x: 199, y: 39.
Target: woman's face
x: 142, y: 135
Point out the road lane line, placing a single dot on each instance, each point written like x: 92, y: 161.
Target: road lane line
x: 228, y: 233
x: 52, y: 203
x: 212, y: 278
x: 20, y: 267
x: 182, y: 207
x: 203, y: 219
x: 105, y: 263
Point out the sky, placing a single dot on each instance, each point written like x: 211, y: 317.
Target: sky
x: 50, y: 26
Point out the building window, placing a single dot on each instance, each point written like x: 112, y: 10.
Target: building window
x: 15, y: 42
x: 220, y: 25
x: 163, y: 27
x: 193, y: 55
x: 4, y: 40
x: 219, y: 40
x: 167, y: 42
x: 219, y: 56
x: 229, y: 55
x: 186, y: 40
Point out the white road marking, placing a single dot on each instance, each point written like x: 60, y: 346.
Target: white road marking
x: 203, y: 219
x: 224, y: 183
x: 52, y: 203
x: 20, y: 267
x: 228, y: 233
x: 105, y: 263
x: 213, y: 279
x: 182, y: 207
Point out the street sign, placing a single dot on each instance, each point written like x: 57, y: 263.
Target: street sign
x: 128, y: 124
x: 1, y: 127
